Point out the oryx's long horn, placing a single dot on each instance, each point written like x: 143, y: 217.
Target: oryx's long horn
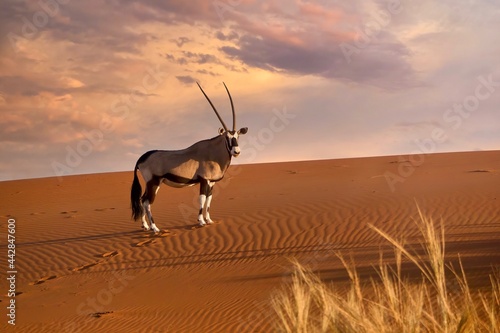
x: 213, y: 107
x: 232, y: 107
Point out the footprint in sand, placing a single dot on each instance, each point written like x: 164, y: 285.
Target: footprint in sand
x: 151, y: 238
x: 104, y: 209
x: 197, y: 226
x: 17, y: 293
x: 144, y: 242
x: 163, y: 233
x: 69, y: 214
x: 80, y: 268
x: 194, y: 227
x: 43, y: 279
x: 108, y: 254
x: 100, y: 314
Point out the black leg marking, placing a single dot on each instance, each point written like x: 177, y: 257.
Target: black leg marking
x: 151, y: 188
x: 208, y: 202
x: 148, y: 198
x: 204, y: 187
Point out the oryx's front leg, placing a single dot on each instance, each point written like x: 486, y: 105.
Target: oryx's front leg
x: 205, y: 199
x: 207, y: 203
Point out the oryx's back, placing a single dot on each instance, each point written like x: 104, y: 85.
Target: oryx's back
x: 207, y: 159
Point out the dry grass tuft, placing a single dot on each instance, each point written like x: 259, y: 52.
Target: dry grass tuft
x: 391, y: 303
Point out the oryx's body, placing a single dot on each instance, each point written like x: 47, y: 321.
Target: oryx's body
x: 204, y: 163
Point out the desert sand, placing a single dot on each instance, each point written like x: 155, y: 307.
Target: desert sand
x: 84, y: 266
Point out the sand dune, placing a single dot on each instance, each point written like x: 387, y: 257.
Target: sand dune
x: 84, y: 266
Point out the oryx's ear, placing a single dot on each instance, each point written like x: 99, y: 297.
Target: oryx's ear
x: 221, y: 131
x: 243, y: 130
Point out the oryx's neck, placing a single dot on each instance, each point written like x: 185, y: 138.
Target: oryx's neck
x: 217, y: 151
x: 207, y: 159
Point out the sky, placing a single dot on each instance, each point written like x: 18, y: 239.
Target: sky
x: 89, y: 86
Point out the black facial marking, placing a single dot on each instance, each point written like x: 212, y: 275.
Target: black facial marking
x: 231, y: 143
x: 234, y: 142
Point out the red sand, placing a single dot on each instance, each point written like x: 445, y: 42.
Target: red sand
x: 84, y: 266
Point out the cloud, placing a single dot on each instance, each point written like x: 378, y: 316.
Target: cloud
x: 189, y: 57
x: 200, y: 58
x: 383, y: 65
x: 181, y: 41
x: 186, y: 79
x: 230, y: 36
x: 205, y: 72
x: 19, y: 85
x: 314, y: 42
x: 60, y: 81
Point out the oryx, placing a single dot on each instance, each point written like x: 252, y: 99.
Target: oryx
x: 204, y: 163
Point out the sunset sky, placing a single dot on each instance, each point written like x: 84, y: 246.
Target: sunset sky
x: 88, y: 86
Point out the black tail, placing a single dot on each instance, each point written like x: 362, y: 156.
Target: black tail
x: 135, y: 197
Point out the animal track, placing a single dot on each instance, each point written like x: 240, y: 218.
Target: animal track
x: 197, y: 226
x: 108, y: 254
x: 104, y: 255
x: 43, y: 279
x: 163, y: 233
x: 69, y: 214
x: 194, y: 227
x: 104, y: 209
x: 100, y: 314
x: 82, y: 267
x: 144, y: 242
x: 151, y: 238
x: 17, y: 293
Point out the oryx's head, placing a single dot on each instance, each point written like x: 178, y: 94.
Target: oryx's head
x: 230, y: 135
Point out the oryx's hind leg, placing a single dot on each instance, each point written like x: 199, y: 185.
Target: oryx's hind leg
x: 148, y: 199
x: 205, y: 199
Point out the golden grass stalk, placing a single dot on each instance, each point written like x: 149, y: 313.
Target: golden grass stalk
x: 391, y: 303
